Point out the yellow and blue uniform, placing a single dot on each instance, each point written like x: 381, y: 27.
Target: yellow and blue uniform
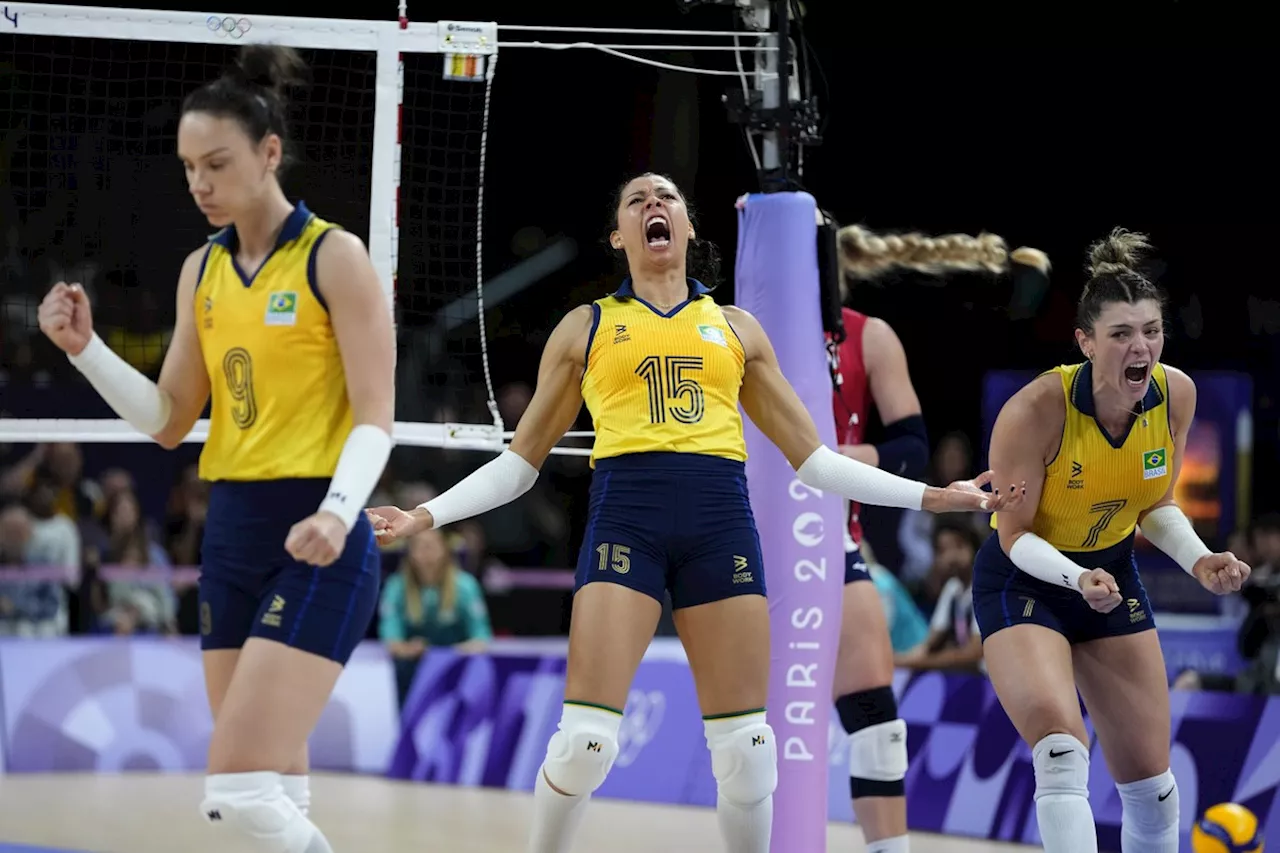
x: 1094, y: 490
x: 279, y: 418
x: 669, y: 509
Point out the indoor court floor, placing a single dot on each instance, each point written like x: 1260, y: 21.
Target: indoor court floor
x: 146, y: 813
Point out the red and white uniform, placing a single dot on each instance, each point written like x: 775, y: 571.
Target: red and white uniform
x: 852, y: 397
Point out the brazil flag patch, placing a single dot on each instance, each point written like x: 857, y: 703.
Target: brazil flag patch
x: 1155, y: 463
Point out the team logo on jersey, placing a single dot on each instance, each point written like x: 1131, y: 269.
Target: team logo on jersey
x: 713, y: 334
x: 1155, y: 463
x: 282, y: 308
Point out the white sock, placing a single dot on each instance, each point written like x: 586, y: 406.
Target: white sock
x: 1062, y: 795
x: 1149, y: 822
x: 744, y: 760
x: 298, y: 789
x: 254, y: 807
x: 897, y: 844
x: 555, y: 817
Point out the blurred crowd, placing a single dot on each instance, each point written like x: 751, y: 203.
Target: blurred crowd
x: 78, y: 555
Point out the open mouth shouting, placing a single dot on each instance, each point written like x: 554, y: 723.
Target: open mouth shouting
x: 657, y: 232
x: 1136, y: 374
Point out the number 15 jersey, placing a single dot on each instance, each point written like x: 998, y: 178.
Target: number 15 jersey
x: 279, y: 405
x: 663, y: 382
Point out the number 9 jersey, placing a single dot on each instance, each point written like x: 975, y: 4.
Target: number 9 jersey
x: 279, y: 396
x: 665, y: 382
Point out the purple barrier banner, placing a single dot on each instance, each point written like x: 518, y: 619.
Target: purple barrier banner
x: 105, y: 704
x: 486, y: 721
x: 800, y: 529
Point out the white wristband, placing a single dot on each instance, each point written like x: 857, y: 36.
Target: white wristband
x: 364, y: 456
x: 833, y: 472
x: 133, y: 396
x: 1171, y: 531
x: 1041, y: 560
x: 497, y: 482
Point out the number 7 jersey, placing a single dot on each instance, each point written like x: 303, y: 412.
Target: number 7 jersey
x: 279, y: 406
x: 665, y: 382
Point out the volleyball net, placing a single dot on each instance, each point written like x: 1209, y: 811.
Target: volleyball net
x: 391, y: 136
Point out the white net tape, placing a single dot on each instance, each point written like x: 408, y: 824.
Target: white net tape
x: 466, y: 50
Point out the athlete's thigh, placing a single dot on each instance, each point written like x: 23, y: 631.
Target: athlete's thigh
x: 865, y: 656
x: 1031, y: 670
x: 609, y: 632
x: 1125, y: 689
x: 274, y: 701
x: 727, y: 643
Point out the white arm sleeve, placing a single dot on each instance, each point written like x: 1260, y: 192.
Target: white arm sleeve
x: 1171, y: 531
x: 133, y: 396
x: 497, y: 482
x: 1041, y: 560
x: 360, y: 466
x: 833, y: 472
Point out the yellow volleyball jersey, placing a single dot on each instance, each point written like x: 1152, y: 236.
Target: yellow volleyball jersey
x: 1095, y: 488
x: 663, y: 382
x: 279, y: 407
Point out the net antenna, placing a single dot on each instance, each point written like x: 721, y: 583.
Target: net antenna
x: 397, y: 96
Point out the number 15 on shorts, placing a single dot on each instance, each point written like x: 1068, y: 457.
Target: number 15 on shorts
x: 620, y: 561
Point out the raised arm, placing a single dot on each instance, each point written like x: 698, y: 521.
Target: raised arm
x: 905, y: 449
x: 773, y: 406
x: 164, y: 411
x: 557, y: 399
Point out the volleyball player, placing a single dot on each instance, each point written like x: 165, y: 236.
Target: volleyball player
x: 282, y: 318
x: 1056, y: 590
x: 872, y: 369
x: 662, y: 369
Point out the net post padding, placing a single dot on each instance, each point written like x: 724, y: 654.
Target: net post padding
x: 777, y: 280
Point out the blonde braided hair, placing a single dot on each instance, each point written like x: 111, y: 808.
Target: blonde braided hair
x: 866, y: 255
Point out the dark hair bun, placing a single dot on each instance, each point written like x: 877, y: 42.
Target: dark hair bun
x: 271, y: 67
x: 1121, y: 251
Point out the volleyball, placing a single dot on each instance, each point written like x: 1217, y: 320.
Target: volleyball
x: 1226, y: 828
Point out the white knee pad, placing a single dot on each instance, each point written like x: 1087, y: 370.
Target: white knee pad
x: 254, y: 805
x: 582, y: 751
x: 879, y: 752
x: 1150, y: 805
x: 744, y: 758
x: 1061, y: 766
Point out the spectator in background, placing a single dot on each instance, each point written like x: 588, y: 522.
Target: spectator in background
x: 55, y: 538
x: 907, y: 626
x: 953, y: 642
x: 184, y: 526
x: 953, y: 457
x: 145, y: 603
x: 1259, y: 638
x: 33, y: 606
x: 429, y: 602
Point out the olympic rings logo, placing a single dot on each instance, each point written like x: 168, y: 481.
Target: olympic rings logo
x: 229, y: 26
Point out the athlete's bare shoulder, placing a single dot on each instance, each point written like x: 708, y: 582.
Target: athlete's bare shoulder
x: 1182, y: 396
x: 569, y: 338
x: 1035, y: 415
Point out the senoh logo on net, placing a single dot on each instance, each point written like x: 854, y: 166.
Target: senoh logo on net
x: 808, y: 529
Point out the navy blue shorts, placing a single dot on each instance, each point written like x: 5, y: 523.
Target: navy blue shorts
x: 1004, y: 595
x: 672, y: 522
x: 855, y: 568
x: 251, y: 587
